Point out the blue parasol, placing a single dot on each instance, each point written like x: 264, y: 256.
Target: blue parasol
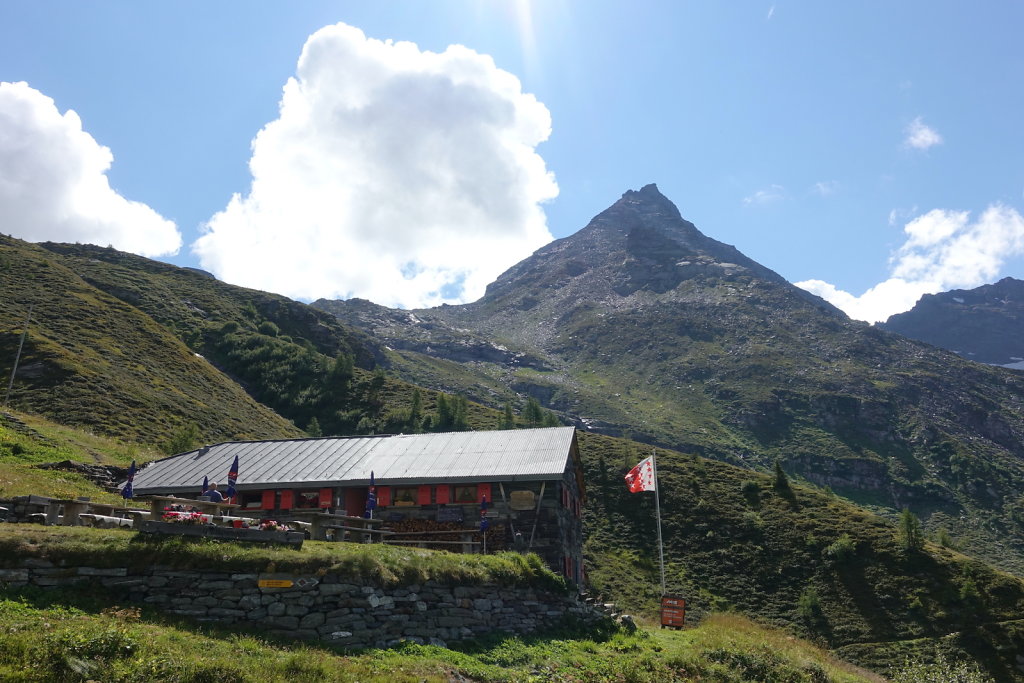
x: 232, y: 479
x: 371, y: 498
x: 127, y: 492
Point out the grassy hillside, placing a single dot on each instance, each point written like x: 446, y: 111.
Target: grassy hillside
x: 95, y: 361
x: 27, y: 441
x: 143, y: 350
x: 794, y: 557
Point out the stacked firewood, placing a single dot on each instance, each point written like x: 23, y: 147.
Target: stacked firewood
x: 410, y: 526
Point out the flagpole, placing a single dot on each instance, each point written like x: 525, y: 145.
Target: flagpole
x: 657, y: 507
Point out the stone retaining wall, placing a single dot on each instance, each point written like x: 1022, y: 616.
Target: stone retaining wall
x: 328, y: 608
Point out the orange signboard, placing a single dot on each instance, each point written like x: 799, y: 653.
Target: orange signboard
x: 673, y: 611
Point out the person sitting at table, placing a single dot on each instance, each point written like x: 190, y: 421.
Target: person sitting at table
x: 213, y: 494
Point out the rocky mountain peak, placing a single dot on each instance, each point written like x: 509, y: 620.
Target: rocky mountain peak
x: 984, y: 324
x: 641, y: 242
x: 650, y: 199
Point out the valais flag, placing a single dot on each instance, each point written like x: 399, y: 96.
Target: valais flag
x: 641, y: 477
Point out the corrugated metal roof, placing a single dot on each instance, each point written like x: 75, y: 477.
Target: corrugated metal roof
x: 506, y: 455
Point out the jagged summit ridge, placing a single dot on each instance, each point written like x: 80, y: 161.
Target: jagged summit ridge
x: 650, y: 196
x: 985, y: 324
x: 639, y: 243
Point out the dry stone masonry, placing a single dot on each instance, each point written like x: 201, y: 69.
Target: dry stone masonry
x: 329, y: 608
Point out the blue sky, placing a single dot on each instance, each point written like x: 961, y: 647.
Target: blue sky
x: 809, y: 135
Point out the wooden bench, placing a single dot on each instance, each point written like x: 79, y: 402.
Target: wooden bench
x: 441, y: 532
x: 357, y: 531
x: 390, y: 541
x: 103, y: 521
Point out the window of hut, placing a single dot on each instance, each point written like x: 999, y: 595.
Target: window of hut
x: 307, y: 499
x: 465, y: 494
x: 404, y: 495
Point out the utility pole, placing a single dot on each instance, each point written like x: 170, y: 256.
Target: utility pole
x: 17, y: 357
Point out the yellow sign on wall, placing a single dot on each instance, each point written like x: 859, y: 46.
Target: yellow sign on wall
x: 275, y: 583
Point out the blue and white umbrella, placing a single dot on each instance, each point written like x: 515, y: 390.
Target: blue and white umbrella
x: 126, y: 491
x: 371, y: 498
x: 232, y: 479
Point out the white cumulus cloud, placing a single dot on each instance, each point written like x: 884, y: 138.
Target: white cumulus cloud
x: 403, y: 176
x: 921, y: 136
x: 768, y: 195
x: 943, y: 250
x: 53, y: 182
x: 825, y: 188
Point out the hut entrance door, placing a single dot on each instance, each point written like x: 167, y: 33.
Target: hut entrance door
x: 355, y: 501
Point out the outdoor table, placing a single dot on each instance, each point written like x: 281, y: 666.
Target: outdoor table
x: 72, y: 508
x: 319, y: 521
x: 158, y: 503
x: 110, y: 510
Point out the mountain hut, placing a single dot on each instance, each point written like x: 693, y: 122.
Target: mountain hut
x: 426, y: 484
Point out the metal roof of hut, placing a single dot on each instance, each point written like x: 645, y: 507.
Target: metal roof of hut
x: 451, y: 457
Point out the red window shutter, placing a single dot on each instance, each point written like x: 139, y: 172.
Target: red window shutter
x: 269, y: 500
x: 287, y: 500
x: 443, y: 493
x: 423, y: 495
x: 483, y: 490
x: 326, y: 498
x: 383, y: 496
x: 565, y: 497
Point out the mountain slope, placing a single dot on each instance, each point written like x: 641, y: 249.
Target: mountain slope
x: 640, y: 325
x: 985, y: 324
x: 792, y: 556
x: 92, y: 360
x: 181, y: 330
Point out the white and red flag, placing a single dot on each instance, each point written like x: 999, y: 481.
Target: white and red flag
x: 641, y: 477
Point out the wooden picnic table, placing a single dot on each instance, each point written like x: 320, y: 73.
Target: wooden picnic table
x: 359, y: 528
x: 158, y: 503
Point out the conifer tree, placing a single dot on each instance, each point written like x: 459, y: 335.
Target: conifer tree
x: 533, y: 414
x: 910, y: 535
x: 507, y: 419
x: 313, y: 428
x: 416, y: 412
x: 460, y: 414
x: 781, y: 480
x: 443, y: 419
